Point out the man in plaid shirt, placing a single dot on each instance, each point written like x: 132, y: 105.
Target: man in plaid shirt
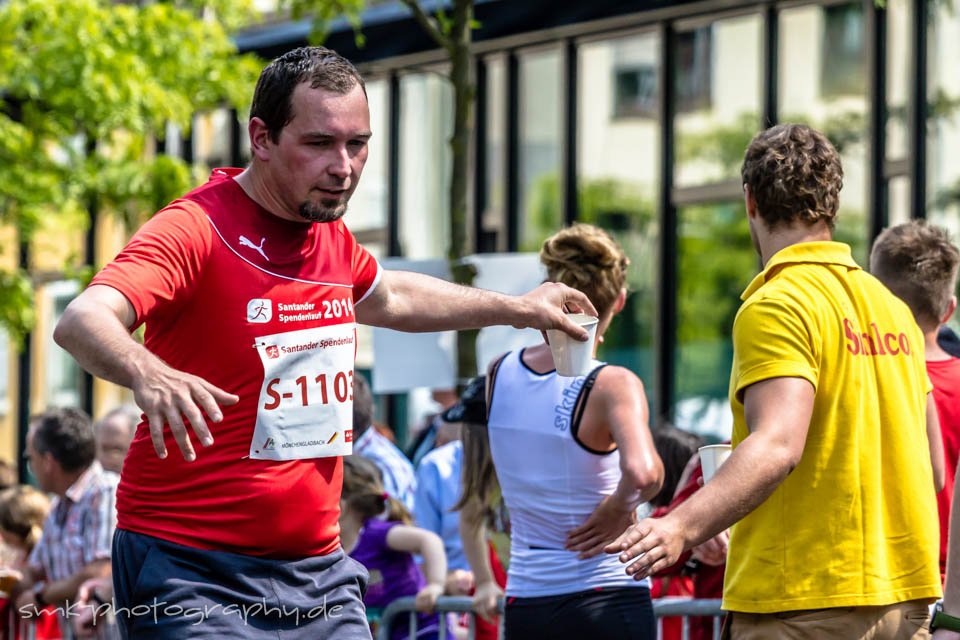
x: 77, y: 534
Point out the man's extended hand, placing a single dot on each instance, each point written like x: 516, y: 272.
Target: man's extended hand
x: 607, y: 521
x: 168, y: 396
x: 548, y: 305
x: 655, y: 544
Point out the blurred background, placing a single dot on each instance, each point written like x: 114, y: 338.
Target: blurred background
x: 629, y: 114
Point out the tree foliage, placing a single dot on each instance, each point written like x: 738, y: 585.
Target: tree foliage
x: 84, y: 85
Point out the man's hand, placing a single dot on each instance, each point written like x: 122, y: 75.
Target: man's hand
x: 713, y: 552
x: 426, y: 600
x: 90, y: 595
x: 655, y: 543
x: 485, y: 600
x: 459, y: 582
x: 548, y: 305
x: 607, y: 521
x: 168, y: 395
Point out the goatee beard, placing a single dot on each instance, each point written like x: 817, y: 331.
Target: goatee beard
x: 319, y: 212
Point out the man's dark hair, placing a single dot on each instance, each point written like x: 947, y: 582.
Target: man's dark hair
x: 362, y: 405
x: 321, y: 67
x: 67, y: 434
x: 794, y: 174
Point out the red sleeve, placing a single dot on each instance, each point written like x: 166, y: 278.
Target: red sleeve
x: 161, y: 264
x: 366, y: 269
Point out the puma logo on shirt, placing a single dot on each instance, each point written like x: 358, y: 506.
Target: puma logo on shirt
x: 244, y: 242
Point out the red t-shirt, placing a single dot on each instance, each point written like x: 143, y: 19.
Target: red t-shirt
x: 945, y: 376
x: 210, y: 274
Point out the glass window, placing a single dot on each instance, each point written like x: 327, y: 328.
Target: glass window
x: 618, y: 181
x: 943, y: 127
x: 63, y: 375
x: 541, y: 118
x: 634, y: 72
x: 494, y: 216
x: 806, y: 98
x: 717, y: 81
x: 899, y: 17
x: 843, y: 68
x: 898, y: 190
x: 716, y: 263
x: 368, y: 206
x: 211, y: 138
x: 426, y: 123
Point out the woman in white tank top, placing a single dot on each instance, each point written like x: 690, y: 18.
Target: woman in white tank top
x: 574, y: 458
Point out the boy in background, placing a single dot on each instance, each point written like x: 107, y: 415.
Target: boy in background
x: 918, y: 263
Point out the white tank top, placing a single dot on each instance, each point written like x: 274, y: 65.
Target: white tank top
x: 551, y: 483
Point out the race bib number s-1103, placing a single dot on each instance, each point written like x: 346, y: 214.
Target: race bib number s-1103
x: 306, y: 400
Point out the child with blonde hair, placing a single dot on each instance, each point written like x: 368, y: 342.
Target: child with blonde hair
x: 375, y: 531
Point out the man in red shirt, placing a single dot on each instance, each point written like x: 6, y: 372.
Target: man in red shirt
x: 919, y: 264
x: 250, y: 287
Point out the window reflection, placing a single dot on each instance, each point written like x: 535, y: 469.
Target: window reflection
x: 718, y: 98
x: 493, y: 217
x: 541, y: 117
x: 835, y: 106
x: 368, y: 206
x: 619, y: 166
x: 943, y: 126
x: 898, y: 76
x: 426, y: 123
x: 716, y: 263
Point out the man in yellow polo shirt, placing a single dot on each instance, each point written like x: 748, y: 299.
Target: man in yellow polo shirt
x: 831, y: 483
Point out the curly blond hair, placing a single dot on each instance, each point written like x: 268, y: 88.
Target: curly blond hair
x: 588, y: 259
x: 794, y: 174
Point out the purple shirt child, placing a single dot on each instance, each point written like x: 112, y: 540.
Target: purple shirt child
x: 393, y: 574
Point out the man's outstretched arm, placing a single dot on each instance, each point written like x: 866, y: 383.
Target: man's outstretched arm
x: 777, y: 412
x: 408, y: 301
x: 95, y: 330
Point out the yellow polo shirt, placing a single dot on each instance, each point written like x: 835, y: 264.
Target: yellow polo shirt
x: 855, y: 523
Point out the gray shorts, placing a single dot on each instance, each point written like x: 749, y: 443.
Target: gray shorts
x: 167, y: 591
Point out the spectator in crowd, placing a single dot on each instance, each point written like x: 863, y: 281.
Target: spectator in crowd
x: 23, y: 511
x: 428, y: 437
x: 376, y: 531
x: 398, y: 476
x: 438, y: 490
x: 919, y: 264
x: 8, y: 475
x: 250, y: 287
x: 574, y: 459
x: 75, y: 544
x: 114, y: 433
x: 837, y: 454
x: 675, y: 447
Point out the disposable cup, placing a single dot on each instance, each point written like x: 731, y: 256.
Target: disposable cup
x: 570, y: 356
x: 711, y: 457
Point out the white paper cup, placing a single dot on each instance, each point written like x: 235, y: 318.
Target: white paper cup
x: 572, y: 357
x: 711, y: 457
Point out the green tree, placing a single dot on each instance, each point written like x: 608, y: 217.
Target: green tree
x: 84, y: 86
x: 451, y: 31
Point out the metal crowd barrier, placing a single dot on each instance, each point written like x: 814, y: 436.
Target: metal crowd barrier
x: 662, y: 607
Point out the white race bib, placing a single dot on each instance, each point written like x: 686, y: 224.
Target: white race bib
x: 306, y: 401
